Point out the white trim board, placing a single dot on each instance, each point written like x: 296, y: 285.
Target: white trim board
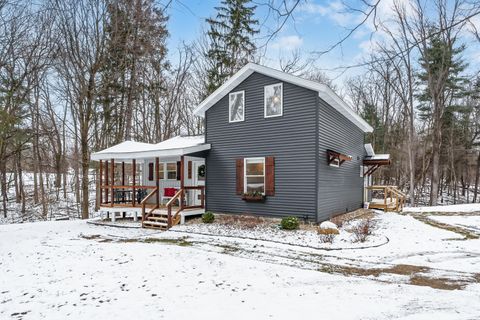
x: 324, y: 92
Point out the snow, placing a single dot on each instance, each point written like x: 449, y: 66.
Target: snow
x: 180, y: 142
x: 53, y: 272
x: 303, y: 238
x: 127, y: 146
x: 470, y: 207
x: 325, y: 225
x: 471, y: 223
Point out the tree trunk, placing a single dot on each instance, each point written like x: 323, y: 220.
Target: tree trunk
x: 477, y: 177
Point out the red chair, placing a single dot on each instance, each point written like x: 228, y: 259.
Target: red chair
x: 168, y: 193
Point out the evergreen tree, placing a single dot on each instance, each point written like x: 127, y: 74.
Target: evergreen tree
x: 231, y: 43
x: 441, y: 68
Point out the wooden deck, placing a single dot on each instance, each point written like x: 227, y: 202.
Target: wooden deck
x: 393, y: 199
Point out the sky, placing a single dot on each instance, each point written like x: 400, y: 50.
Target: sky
x: 316, y: 25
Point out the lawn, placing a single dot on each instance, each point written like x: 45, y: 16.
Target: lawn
x: 76, y: 270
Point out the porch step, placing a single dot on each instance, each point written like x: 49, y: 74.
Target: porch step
x: 161, y: 218
x: 155, y: 223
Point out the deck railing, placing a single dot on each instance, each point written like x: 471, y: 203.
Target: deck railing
x: 180, y: 197
x: 144, y: 204
x: 393, y: 198
x: 112, y: 190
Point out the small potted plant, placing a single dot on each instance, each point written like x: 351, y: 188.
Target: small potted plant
x: 253, y: 196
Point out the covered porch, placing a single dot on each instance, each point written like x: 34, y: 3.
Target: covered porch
x: 383, y: 197
x: 161, y: 183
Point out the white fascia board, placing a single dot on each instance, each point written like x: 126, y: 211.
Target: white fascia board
x: 150, y: 153
x: 323, y: 90
x: 223, y: 90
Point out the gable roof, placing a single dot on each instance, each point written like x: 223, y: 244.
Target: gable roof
x: 323, y: 90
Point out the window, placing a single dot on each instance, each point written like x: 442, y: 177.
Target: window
x: 274, y: 100
x: 161, y: 171
x: 236, y: 106
x: 254, y: 175
x: 171, y: 170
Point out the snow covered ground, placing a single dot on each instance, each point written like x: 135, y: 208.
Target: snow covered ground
x: 470, y: 207
x: 75, y: 270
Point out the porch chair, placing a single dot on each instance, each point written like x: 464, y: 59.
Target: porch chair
x: 168, y: 193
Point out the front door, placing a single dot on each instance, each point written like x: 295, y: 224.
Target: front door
x: 198, y: 179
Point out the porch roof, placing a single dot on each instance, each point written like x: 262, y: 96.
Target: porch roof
x: 176, y: 146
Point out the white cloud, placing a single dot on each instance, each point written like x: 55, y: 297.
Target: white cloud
x: 334, y: 10
x: 288, y: 43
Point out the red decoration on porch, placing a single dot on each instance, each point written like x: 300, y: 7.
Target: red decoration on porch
x: 169, y: 192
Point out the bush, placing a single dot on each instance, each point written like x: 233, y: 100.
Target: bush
x: 327, y: 237
x: 208, y: 217
x: 362, y: 230
x: 289, y: 223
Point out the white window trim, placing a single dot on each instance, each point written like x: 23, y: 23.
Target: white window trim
x: 265, y: 100
x: 245, y: 173
x: 165, y: 172
x: 230, y: 109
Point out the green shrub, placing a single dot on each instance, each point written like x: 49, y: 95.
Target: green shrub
x: 208, y: 217
x: 289, y: 223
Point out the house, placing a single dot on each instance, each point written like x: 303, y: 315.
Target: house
x: 275, y: 145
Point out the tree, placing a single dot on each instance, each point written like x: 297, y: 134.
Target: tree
x: 441, y: 66
x: 231, y: 40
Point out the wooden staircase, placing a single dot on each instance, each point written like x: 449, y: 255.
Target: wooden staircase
x: 158, y: 219
x: 393, y: 198
x: 164, y: 219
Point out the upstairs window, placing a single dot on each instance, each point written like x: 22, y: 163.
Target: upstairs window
x: 236, y: 106
x: 274, y: 100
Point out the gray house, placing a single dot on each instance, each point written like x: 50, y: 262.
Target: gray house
x: 275, y: 145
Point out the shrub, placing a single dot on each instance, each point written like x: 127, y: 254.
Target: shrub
x: 327, y: 237
x: 362, y: 230
x: 289, y: 223
x: 208, y: 217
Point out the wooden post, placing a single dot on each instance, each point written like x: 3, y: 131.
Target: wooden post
x: 134, y: 171
x: 157, y: 180
x: 106, y: 181
x: 202, y: 195
x: 100, y: 182
x: 113, y: 181
x: 123, y: 183
x: 182, y: 181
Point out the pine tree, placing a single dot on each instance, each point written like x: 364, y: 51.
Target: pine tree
x: 231, y: 40
x: 441, y: 68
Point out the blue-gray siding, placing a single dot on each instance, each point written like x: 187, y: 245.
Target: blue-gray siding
x: 339, y: 189
x: 291, y: 139
x: 304, y: 184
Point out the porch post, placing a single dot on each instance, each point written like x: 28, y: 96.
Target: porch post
x: 100, y: 182
x: 106, y: 181
x: 113, y: 181
x: 134, y: 172
x: 182, y: 182
x: 157, y: 180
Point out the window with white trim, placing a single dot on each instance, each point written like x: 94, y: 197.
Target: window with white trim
x: 254, y: 176
x: 236, y: 106
x: 161, y: 171
x: 171, y: 170
x: 273, y: 100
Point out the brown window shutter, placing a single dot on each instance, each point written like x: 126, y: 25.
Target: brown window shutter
x: 150, y: 171
x: 239, y: 179
x: 189, y: 169
x: 179, y: 167
x: 269, y: 176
